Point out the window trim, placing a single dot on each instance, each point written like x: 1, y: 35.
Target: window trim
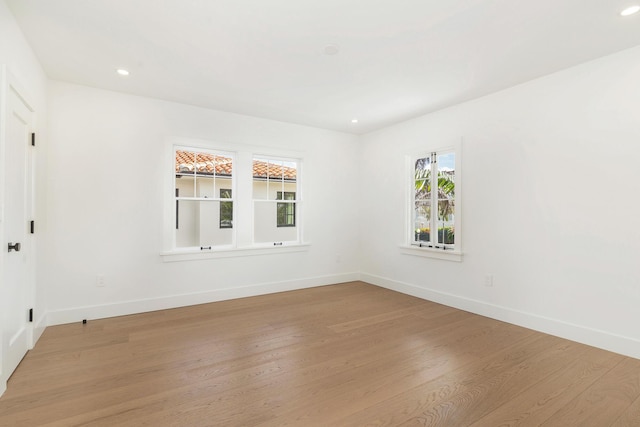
x: 231, y: 252
x: 297, y: 202
x: 409, y: 247
x: 208, y: 150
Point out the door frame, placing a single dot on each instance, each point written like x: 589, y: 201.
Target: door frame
x: 9, y: 83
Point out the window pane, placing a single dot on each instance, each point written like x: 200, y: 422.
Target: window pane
x: 446, y: 176
x: 205, y: 186
x: 207, y: 172
x: 266, y: 229
x: 446, y: 162
x: 277, y: 175
x: 422, y: 175
x: 446, y: 232
x: 198, y: 224
x: 226, y: 209
x: 185, y: 185
x: 226, y: 214
x: 185, y: 162
x: 286, y: 214
x: 259, y: 189
x: 286, y: 195
x: 422, y: 218
x: 446, y: 198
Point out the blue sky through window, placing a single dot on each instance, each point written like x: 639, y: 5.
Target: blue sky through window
x: 447, y: 161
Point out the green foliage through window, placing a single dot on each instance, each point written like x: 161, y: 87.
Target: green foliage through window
x: 226, y: 209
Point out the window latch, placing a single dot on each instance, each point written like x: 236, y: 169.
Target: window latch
x: 202, y: 248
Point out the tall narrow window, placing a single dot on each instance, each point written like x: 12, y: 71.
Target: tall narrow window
x: 204, y: 206
x: 434, y: 200
x: 275, y: 200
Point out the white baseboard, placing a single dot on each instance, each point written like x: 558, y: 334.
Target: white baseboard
x: 593, y: 337
x: 597, y: 338
x: 124, y: 308
x: 39, y: 327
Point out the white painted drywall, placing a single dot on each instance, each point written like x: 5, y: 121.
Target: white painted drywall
x: 551, y: 178
x: 105, y: 217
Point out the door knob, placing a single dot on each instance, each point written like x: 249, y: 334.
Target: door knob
x: 14, y: 247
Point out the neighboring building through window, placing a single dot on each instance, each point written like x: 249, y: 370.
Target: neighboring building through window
x: 433, y: 204
x: 286, y: 210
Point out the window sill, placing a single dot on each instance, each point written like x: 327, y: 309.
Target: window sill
x: 454, y: 255
x: 191, y: 254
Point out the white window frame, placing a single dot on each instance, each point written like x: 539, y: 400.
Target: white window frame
x: 215, y: 198
x: 298, y: 202
x: 242, y: 184
x: 410, y: 247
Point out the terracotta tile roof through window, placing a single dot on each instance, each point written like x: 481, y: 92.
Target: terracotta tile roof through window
x: 204, y: 163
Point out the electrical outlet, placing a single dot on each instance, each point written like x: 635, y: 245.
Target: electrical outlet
x: 488, y: 280
x: 100, y: 282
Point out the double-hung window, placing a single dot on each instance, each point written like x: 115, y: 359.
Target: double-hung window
x: 275, y: 200
x: 231, y: 203
x: 203, y: 202
x: 434, y: 207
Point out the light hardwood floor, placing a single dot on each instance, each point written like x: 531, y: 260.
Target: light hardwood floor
x: 345, y: 355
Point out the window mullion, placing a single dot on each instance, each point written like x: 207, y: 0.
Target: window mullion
x: 195, y: 175
x: 433, y: 220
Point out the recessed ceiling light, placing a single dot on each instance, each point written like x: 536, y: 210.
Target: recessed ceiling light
x: 354, y: 120
x: 122, y: 72
x: 630, y: 10
x: 331, y: 49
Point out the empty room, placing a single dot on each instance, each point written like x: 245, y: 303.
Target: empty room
x: 320, y: 213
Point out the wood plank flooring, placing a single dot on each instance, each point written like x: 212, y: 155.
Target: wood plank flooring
x: 344, y: 355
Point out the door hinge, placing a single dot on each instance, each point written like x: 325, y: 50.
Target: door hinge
x: 31, y: 315
x: 33, y: 227
x: 33, y: 139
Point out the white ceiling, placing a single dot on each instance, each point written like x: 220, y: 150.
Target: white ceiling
x: 397, y: 59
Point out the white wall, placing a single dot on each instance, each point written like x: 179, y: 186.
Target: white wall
x: 551, y: 180
x: 106, y: 199
x: 16, y: 54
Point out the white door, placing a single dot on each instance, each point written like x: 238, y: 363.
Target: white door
x: 16, y: 288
